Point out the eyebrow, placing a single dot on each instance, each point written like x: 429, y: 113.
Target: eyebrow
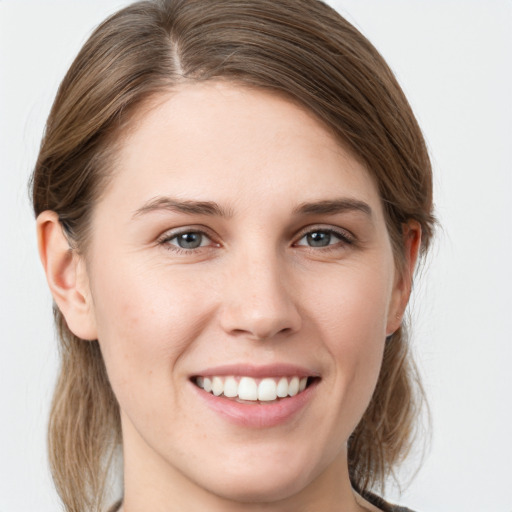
x: 333, y: 206
x: 211, y: 208
x: 182, y: 206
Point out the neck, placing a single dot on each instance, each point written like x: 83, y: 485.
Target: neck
x: 157, y: 487
x: 153, y: 483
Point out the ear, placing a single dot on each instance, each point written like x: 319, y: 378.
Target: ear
x: 66, y: 275
x: 411, y: 233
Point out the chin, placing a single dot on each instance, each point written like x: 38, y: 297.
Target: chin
x: 259, y: 479
x: 257, y: 487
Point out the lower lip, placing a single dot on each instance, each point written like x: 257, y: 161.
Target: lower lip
x: 258, y: 414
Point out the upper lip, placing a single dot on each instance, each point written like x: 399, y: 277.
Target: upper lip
x: 272, y: 370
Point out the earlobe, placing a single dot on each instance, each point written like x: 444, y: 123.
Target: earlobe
x: 411, y: 234
x: 66, y: 275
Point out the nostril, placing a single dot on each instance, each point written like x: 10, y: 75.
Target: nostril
x: 262, y: 333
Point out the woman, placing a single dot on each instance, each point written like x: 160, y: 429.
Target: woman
x: 231, y: 198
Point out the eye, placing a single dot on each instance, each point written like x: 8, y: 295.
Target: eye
x: 319, y: 238
x: 186, y: 240
x: 191, y: 240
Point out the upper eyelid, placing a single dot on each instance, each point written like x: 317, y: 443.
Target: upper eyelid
x: 169, y: 234
x: 342, y: 232
x: 165, y: 240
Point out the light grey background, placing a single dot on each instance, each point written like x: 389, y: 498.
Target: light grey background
x: 453, y: 58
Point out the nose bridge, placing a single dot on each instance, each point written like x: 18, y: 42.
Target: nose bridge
x: 260, y: 302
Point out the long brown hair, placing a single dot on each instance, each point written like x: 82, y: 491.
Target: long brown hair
x: 300, y: 48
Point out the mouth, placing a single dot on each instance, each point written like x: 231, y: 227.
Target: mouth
x: 256, y: 397
x: 246, y: 389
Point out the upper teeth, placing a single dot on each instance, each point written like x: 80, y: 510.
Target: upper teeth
x: 247, y: 388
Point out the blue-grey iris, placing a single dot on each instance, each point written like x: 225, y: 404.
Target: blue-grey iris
x: 189, y: 240
x: 319, y: 238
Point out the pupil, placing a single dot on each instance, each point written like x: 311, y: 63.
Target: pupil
x: 189, y: 240
x: 319, y: 239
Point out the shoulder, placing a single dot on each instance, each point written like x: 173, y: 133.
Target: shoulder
x: 116, y: 507
x: 384, y: 505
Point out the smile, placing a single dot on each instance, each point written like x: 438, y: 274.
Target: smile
x: 246, y: 388
x: 256, y: 396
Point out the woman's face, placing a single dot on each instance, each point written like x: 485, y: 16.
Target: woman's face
x: 239, y: 246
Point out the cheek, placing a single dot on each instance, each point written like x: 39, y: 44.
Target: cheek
x: 146, y: 320
x: 352, y: 317
x: 352, y: 305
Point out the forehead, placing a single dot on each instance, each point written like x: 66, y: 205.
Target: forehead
x: 232, y: 143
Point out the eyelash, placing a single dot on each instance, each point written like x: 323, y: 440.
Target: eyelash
x: 166, y: 239
x: 344, y: 238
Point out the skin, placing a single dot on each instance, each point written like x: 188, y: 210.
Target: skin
x: 255, y: 292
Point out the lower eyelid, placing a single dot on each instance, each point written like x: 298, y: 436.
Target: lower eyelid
x: 342, y: 237
x: 167, y: 238
x: 171, y: 235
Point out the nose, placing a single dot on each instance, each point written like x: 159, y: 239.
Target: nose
x: 259, y: 301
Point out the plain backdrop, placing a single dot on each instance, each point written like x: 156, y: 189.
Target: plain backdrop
x: 453, y: 59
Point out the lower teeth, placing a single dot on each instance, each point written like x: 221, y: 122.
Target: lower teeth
x: 242, y: 401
